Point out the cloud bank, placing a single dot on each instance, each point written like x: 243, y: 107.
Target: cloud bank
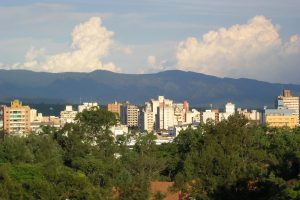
x: 90, y: 43
x: 252, y: 50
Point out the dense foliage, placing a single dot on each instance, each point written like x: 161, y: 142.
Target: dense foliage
x: 233, y: 159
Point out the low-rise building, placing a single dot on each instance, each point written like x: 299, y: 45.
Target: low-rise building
x: 252, y: 115
x: 175, y: 130
x: 193, y: 116
x: 210, y: 115
x: 119, y: 130
x: 87, y: 106
x: 280, y: 118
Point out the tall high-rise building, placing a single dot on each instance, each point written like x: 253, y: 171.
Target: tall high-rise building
x: 179, y: 113
x: 130, y: 114
x: 17, y: 118
x: 147, y: 118
x: 164, y: 113
x: 290, y: 102
x: 230, y: 108
x: 165, y: 116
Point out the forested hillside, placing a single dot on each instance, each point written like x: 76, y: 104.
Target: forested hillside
x: 105, y: 86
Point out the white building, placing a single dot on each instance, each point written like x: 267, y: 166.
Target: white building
x: 165, y: 116
x: 209, y: 115
x: 147, y: 118
x: 162, y: 113
x: 87, y: 106
x: 161, y: 110
x: 229, y: 110
x: 175, y: 130
x: 119, y: 130
x: 68, y: 115
x: 35, y: 116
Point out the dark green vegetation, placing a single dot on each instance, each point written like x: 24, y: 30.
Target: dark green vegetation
x: 231, y: 160
x: 105, y: 86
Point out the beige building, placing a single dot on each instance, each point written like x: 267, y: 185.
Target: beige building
x: 280, y: 117
x: 252, y: 115
x: 282, y: 120
x: 290, y: 102
x: 17, y: 118
x: 130, y: 114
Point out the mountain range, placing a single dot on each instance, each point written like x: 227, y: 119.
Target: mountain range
x: 104, y: 86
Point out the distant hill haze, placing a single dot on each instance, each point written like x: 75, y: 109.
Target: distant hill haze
x: 103, y: 86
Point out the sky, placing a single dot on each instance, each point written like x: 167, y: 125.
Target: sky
x: 225, y: 38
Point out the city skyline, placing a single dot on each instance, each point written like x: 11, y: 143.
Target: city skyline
x: 258, y: 40
x: 161, y: 115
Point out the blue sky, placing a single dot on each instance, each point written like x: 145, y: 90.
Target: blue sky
x: 150, y: 36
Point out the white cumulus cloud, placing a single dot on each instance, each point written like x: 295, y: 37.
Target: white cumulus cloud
x: 154, y: 65
x: 151, y: 60
x: 252, y: 50
x: 90, y: 43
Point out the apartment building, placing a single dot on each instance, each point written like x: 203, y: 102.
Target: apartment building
x: 147, y: 118
x: 130, y: 114
x: 16, y: 119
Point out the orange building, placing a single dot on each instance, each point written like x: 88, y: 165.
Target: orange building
x: 114, y: 107
x: 17, y: 118
x: 282, y: 120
